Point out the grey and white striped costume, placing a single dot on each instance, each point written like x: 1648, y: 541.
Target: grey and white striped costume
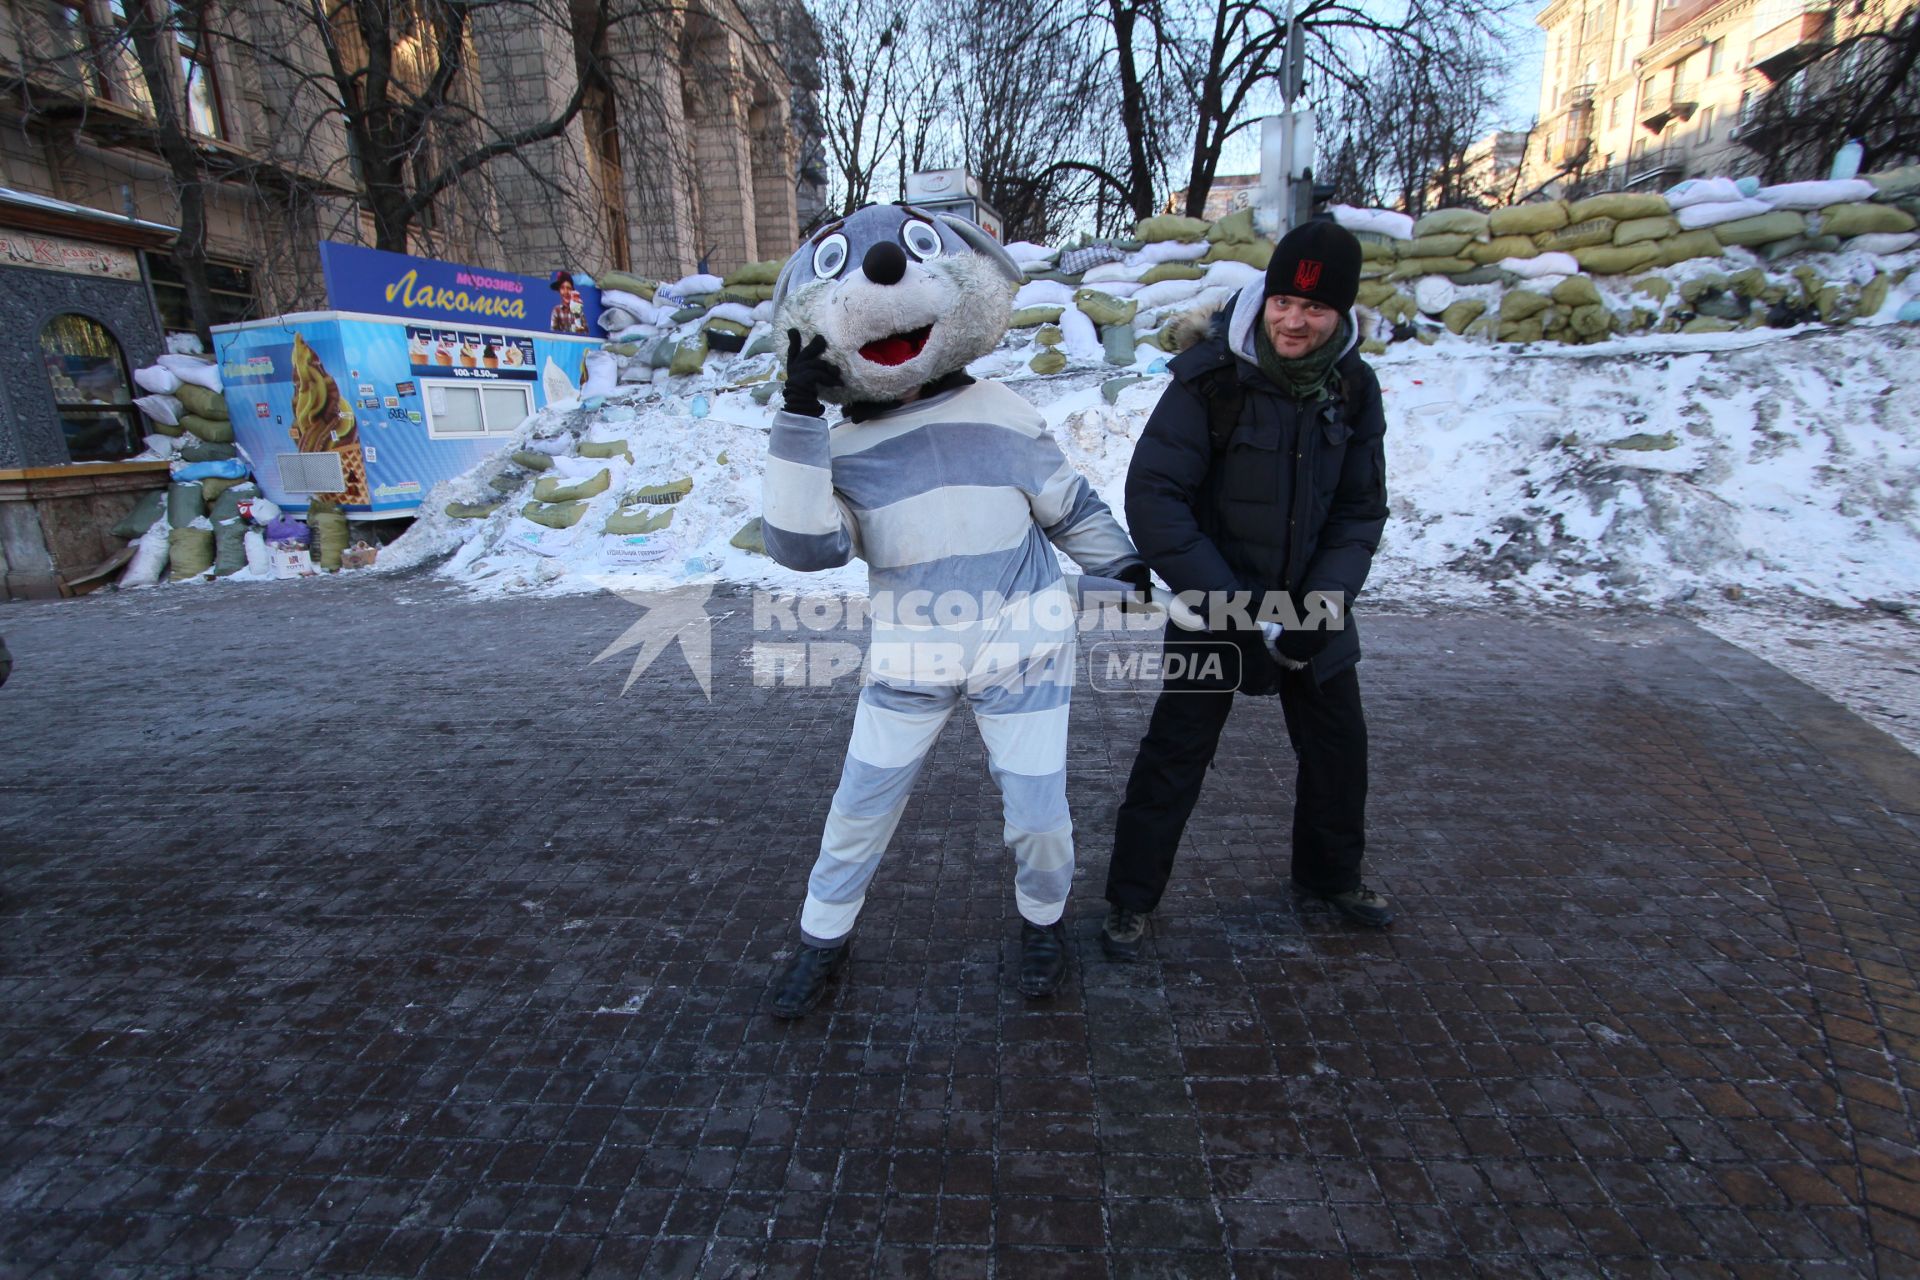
x: 956, y: 503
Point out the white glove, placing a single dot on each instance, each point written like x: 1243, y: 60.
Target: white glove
x: 1273, y: 631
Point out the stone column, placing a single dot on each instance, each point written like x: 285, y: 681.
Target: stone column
x: 775, y: 160
x: 650, y: 103
x: 723, y: 156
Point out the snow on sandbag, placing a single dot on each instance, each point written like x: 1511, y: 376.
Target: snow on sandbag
x: 555, y: 382
x: 1149, y: 255
x: 1081, y: 339
x: 1233, y: 275
x: 164, y: 410
x: 1883, y: 242
x: 1808, y: 196
x: 631, y: 303
x: 1110, y: 273
x: 1165, y: 293
x: 560, y: 516
x: 1434, y: 294
x: 1379, y: 221
x: 603, y: 375
x: 1702, y: 191
x: 159, y: 380
x: 614, y: 320
x: 161, y: 445
x: 1847, y: 220
x: 1545, y: 264
x: 692, y: 286
x: 150, y: 556
x: 1172, y: 226
x: 733, y: 311
x: 1026, y: 253
x: 550, y: 489
x: 1713, y: 213
x: 1043, y: 293
x: 192, y: 369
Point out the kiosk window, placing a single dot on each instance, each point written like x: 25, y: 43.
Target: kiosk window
x: 456, y: 409
x: 91, y: 390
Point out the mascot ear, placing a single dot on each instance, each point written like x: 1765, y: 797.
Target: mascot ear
x: 783, y: 284
x: 986, y: 246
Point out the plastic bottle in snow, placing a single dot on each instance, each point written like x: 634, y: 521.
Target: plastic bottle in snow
x: 699, y: 408
x: 1846, y: 161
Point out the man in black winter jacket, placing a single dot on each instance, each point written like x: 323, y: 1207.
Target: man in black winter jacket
x: 1260, y: 482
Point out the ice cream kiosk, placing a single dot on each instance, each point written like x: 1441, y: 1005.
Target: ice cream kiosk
x: 418, y: 371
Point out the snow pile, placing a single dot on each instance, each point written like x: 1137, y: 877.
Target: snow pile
x: 1634, y: 471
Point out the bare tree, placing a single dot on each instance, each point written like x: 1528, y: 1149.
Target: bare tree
x: 1864, y: 87
x: 864, y: 84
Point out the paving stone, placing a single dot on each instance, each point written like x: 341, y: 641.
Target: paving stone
x: 364, y: 926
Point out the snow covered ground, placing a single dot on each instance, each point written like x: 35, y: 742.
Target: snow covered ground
x: 1764, y: 482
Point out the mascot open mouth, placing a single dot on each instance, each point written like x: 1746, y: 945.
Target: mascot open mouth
x: 897, y: 348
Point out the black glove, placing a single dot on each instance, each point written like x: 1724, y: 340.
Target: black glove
x: 808, y: 370
x: 1140, y: 578
x: 1304, y: 643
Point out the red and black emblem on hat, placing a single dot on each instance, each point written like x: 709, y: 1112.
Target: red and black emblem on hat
x: 1306, y: 276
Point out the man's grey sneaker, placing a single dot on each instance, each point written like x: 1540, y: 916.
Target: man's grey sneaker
x: 806, y: 978
x: 1360, y: 905
x: 1043, y: 958
x: 1121, y: 935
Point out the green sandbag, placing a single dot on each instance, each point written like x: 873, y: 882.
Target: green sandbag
x: 1048, y: 361
x: 756, y: 273
x: 201, y: 451
x: 159, y: 428
x: 624, y: 350
x: 1446, y: 244
x: 605, y: 449
x: 1528, y: 219
x: 550, y: 489
x: 721, y: 324
x: 189, y: 553
x: 662, y: 494
x: 1896, y: 184
x: 1488, y: 275
x: 1255, y: 254
x: 1461, y: 314
x: 213, y: 486
x: 685, y: 314
x: 1119, y: 342
x: 627, y: 284
x: 1160, y: 271
x: 1708, y: 324
x: 1528, y: 330
x: 1374, y: 292
x: 141, y: 518
x: 663, y: 353
x: 1522, y: 304
x: 747, y: 295
x: 1845, y: 220
x: 197, y: 399
x: 1700, y: 243
x: 1576, y: 291
x: 1378, y: 250
x: 622, y: 522
x: 1591, y: 321
x: 229, y: 546
x: 227, y: 506
x: 506, y: 481
x: 1234, y: 228
x: 471, y: 510
x: 1615, y: 260
x: 1577, y: 235
x: 212, y: 430
x: 1874, y: 295
x: 1028, y: 317
x: 1412, y: 267
x: 329, y: 535
x: 532, y: 459
x: 764, y: 392
x: 1656, y: 287
x: 1621, y: 206
x: 1634, y: 230
x: 1103, y: 308
x: 1764, y: 229
x: 1488, y: 252
x: 1171, y: 226
x: 1467, y: 222
x: 563, y: 515
x: 185, y: 504
x: 750, y: 538
x: 690, y: 357
x: 1049, y: 335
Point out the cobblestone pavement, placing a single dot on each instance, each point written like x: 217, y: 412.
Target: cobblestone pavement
x: 365, y: 928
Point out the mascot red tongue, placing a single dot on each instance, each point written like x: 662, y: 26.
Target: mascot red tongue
x: 949, y: 489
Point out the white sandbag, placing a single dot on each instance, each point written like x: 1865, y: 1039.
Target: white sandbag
x: 1715, y: 212
x: 613, y: 319
x: 1546, y: 264
x: 763, y: 312
x: 149, y: 557
x: 1229, y: 274
x: 1164, y: 294
x: 259, y: 559
x: 603, y: 375
x: 631, y: 303
x: 1152, y: 255
x: 1702, y: 191
x: 1884, y: 242
x: 1806, y: 196
x: 1119, y: 288
x: 555, y: 382
x: 160, y: 408
x: 1082, y: 339
x: 1434, y: 294
x: 737, y: 312
x: 1111, y: 273
x: 262, y: 511
x: 1043, y: 293
x: 634, y: 333
x: 1026, y: 253
x: 689, y: 286
x: 164, y: 446
x: 158, y: 379
x: 186, y: 344
x: 578, y: 468
x: 1383, y: 222
x: 193, y: 369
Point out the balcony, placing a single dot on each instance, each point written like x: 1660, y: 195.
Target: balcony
x: 1791, y: 45
x: 1572, y: 137
x: 1659, y: 108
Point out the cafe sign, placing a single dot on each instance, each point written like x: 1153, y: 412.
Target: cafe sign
x: 57, y: 253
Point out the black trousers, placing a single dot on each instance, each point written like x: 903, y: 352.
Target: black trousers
x: 1328, y: 731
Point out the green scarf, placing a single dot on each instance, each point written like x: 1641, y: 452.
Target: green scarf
x: 1304, y: 379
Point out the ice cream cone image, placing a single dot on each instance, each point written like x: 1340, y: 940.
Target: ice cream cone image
x: 320, y: 414
x: 353, y: 466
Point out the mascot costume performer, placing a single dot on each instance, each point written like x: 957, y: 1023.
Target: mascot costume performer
x: 955, y: 495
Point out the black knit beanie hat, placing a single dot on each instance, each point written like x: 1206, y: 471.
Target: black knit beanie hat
x: 1318, y: 260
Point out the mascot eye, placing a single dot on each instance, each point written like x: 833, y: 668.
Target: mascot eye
x: 922, y: 239
x: 830, y: 256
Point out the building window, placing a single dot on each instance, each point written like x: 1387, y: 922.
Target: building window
x: 76, y: 43
x: 203, y: 87
x: 1717, y: 56
x: 1706, y: 124
x: 91, y: 391
x: 464, y: 410
x: 1613, y: 111
x: 129, y: 81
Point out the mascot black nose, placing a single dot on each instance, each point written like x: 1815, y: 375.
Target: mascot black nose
x: 885, y: 263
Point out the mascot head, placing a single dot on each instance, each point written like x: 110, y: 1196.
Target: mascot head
x: 902, y: 297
